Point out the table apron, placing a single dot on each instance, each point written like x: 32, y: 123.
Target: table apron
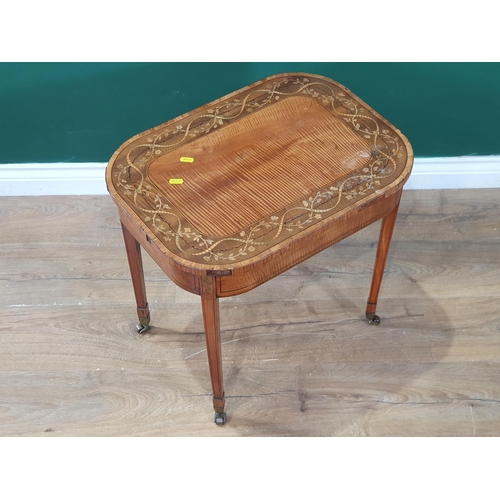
x: 245, y: 278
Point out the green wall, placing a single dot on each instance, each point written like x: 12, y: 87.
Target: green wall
x: 82, y: 112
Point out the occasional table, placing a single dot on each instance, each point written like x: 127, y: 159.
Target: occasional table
x: 236, y: 192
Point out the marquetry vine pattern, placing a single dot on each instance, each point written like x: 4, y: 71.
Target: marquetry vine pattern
x: 131, y: 180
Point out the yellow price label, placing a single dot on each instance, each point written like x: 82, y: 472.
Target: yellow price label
x: 176, y: 181
x: 187, y: 159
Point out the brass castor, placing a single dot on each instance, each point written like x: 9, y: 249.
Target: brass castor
x: 143, y: 325
x: 220, y: 418
x: 373, y: 319
x: 142, y: 328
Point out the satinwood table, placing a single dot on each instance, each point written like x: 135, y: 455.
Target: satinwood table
x: 236, y: 192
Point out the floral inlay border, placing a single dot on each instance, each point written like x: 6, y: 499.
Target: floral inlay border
x: 388, y: 157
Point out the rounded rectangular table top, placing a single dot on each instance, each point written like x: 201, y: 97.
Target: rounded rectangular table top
x: 239, y: 176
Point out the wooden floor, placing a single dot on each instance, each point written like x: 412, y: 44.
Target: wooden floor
x: 299, y: 359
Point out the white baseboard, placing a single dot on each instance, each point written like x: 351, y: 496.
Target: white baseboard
x: 458, y: 172
x: 37, y: 179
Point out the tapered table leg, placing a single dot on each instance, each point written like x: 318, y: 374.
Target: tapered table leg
x: 388, y: 223
x: 211, y: 321
x: 136, y: 270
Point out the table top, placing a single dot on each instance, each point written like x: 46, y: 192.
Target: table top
x: 239, y: 176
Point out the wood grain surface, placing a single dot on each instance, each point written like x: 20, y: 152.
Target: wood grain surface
x: 297, y: 356
x: 254, y: 167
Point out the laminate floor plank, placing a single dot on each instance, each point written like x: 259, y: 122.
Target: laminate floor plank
x: 142, y: 402
x: 404, y: 399
x: 50, y: 220
x: 61, y: 292
x: 89, y: 262
x: 88, y: 338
